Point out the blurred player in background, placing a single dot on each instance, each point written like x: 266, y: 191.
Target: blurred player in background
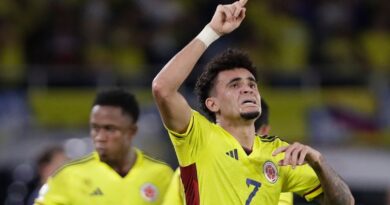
x: 222, y: 161
x: 47, y: 162
x: 175, y: 193
x: 116, y: 172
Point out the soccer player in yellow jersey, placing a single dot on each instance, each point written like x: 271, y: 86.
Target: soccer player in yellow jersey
x: 175, y: 192
x: 222, y: 160
x: 116, y: 173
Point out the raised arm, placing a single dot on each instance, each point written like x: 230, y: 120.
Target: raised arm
x: 174, y: 109
x: 336, y: 191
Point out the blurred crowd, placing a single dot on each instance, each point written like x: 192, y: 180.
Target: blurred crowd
x: 87, y: 42
x: 338, y: 40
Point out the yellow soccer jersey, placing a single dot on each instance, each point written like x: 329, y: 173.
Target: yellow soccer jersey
x: 90, y: 181
x: 286, y: 199
x: 215, y: 169
x: 175, y: 193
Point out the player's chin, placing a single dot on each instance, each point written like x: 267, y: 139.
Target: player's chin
x: 103, y: 157
x: 102, y: 152
x: 250, y: 115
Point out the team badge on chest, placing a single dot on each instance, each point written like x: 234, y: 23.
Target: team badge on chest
x: 270, y: 171
x: 149, y: 192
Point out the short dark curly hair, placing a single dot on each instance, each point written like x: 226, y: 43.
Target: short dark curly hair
x: 118, y: 97
x: 228, y: 60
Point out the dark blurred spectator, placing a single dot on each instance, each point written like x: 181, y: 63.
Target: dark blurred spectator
x: 48, y: 161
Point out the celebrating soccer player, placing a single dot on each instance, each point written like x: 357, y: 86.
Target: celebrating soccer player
x: 223, y: 161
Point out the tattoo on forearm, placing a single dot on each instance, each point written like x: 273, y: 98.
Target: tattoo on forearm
x: 336, y: 191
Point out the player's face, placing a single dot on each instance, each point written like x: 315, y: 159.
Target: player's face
x: 237, y: 95
x: 111, y: 131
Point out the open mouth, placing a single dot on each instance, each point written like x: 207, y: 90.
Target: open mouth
x: 249, y: 102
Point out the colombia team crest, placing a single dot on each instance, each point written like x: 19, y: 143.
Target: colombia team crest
x: 270, y: 171
x: 149, y: 192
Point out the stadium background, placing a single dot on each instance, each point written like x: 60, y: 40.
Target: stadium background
x: 324, y: 68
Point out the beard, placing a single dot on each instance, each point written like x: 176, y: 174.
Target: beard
x: 250, y: 115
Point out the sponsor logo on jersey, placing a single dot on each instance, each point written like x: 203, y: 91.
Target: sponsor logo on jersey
x: 97, y: 192
x: 233, y: 154
x: 270, y: 171
x: 149, y: 192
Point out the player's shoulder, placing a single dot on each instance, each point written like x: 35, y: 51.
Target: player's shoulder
x: 156, y: 164
x: 200, y: 118
x: 74, y: 165
x: 268, y: 138
x: 272, y: 140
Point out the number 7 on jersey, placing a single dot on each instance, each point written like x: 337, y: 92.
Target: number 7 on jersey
x: 256, y: 185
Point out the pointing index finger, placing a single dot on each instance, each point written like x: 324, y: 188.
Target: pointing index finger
x: 243, y: 2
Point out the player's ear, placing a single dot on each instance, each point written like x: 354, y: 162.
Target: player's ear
x: 212, y: 104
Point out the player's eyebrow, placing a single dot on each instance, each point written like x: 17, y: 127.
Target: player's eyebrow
x: 252, y: 79
x: 234, y: 80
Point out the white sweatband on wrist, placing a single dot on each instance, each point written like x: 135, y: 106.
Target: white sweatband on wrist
x: 207, y: 35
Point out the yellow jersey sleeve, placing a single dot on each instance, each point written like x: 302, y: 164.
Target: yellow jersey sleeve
x: 303, y: 181
x: 189, y: 144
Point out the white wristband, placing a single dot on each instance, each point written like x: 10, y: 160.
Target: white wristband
x: 207, y: 35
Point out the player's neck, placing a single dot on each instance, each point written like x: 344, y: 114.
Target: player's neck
x: 243, y: 132
x: 123, y: 166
